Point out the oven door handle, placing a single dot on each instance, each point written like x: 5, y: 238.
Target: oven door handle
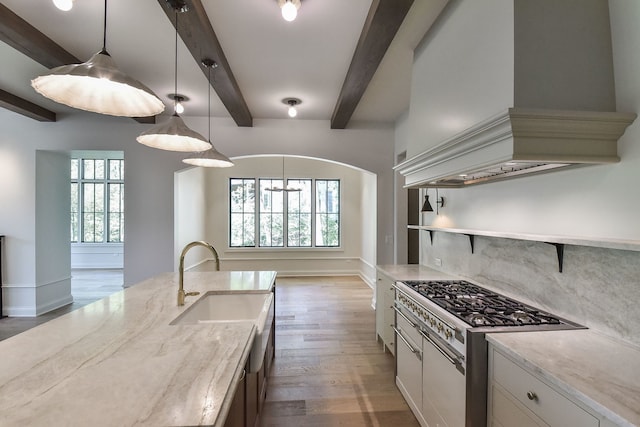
x: 413, y: 325
x: 407, y: 343
x: 435, y: 344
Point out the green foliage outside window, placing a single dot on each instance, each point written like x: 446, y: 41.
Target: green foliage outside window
x: 284, y: 218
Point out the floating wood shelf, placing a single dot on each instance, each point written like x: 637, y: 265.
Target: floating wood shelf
x: 558, y: 241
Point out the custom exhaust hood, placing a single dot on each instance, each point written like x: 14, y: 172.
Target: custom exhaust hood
x: 518, y: 142
x: 556, y: 103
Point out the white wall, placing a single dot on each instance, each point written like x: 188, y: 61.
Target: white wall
x: 32, y: 248
x: 357, y: 251
x: 149, y: 246
x: 53, y: 281
x: 97, y: 255
x: 368, y: 220
x: 190, y: 214
x: 400, y: 195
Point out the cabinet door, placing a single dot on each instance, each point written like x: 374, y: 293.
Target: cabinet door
x: 443, y: 389
x: 385, y: 318
x: 236, y: 415
x: 389, y: 317
x: 380, y: 283
x: 251, y: 399
x: 409, y: 367
x: 533, y: 398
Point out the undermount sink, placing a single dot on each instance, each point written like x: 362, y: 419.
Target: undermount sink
x: 235, y: 307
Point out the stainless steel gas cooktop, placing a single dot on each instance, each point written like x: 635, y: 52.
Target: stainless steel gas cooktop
x: 478, y: 306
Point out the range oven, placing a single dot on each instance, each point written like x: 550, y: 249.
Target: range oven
x: 441, y: 327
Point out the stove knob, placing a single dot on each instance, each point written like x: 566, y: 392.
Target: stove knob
x: 432, y: 321
x: 448, y: 334
x: 440, y: 327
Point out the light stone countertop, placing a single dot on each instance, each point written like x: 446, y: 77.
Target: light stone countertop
x: 118, y: 362
x: 599, y: 371
x: 413, y: 272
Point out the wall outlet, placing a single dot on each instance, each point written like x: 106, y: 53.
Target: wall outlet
x: 437, y: 262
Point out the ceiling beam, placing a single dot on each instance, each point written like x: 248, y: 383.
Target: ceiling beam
x: 22, y: 36
x: 26, y: 108
x: 382, y: 24
x: 197, y: 34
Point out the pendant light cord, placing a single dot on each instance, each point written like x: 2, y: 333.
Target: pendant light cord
x: 209, y: 99
x: 104, y: 29
x: 175, y: 70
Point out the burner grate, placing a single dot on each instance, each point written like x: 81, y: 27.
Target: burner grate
x: 478, y: 306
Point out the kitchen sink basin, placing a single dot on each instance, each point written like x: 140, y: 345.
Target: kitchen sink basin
x: 235, y: 307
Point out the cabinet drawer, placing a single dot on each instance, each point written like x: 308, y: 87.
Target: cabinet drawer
x: 546, y: 403
x: 409, y: 332
x: 506, y: 412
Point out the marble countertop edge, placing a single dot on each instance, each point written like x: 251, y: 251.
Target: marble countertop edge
x: 552, y: 372
x: 237, y: 375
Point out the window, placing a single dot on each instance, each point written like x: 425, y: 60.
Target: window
x: 294, y: 219
x: 327, y: 212
x: 242, y: 197
x: 97, y: 200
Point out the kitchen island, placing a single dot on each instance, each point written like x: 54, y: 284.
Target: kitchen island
x: 118, y: 361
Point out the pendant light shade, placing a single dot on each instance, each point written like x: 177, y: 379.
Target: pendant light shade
x: 210, y: 158
x: 173, y: 135
x: 98, y: 86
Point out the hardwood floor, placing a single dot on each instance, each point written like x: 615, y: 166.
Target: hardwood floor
x: 329, y: 370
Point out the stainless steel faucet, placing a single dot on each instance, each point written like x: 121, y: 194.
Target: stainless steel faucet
x: 181, y: 293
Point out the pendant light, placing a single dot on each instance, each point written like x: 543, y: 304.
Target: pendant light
x: 210, y: 158
x: 98, y: 86
x: 174, y: 134
x: 283, y: 188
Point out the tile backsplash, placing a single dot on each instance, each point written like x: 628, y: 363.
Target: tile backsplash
x: 598, y: 288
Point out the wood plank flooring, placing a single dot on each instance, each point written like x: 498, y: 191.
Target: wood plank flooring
x: 329, y: 370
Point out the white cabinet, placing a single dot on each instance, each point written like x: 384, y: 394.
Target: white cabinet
x: 517, y: 397
x: 409, y: 364
x: 443, y: 389
x: 385, y: 319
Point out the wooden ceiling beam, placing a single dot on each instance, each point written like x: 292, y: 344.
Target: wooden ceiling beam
x: 26, y: 108
x: 382, y: 24
x: 22, y: 36
x: 195, y: 30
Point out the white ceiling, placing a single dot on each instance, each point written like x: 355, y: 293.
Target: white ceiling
x: 271, y: 59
